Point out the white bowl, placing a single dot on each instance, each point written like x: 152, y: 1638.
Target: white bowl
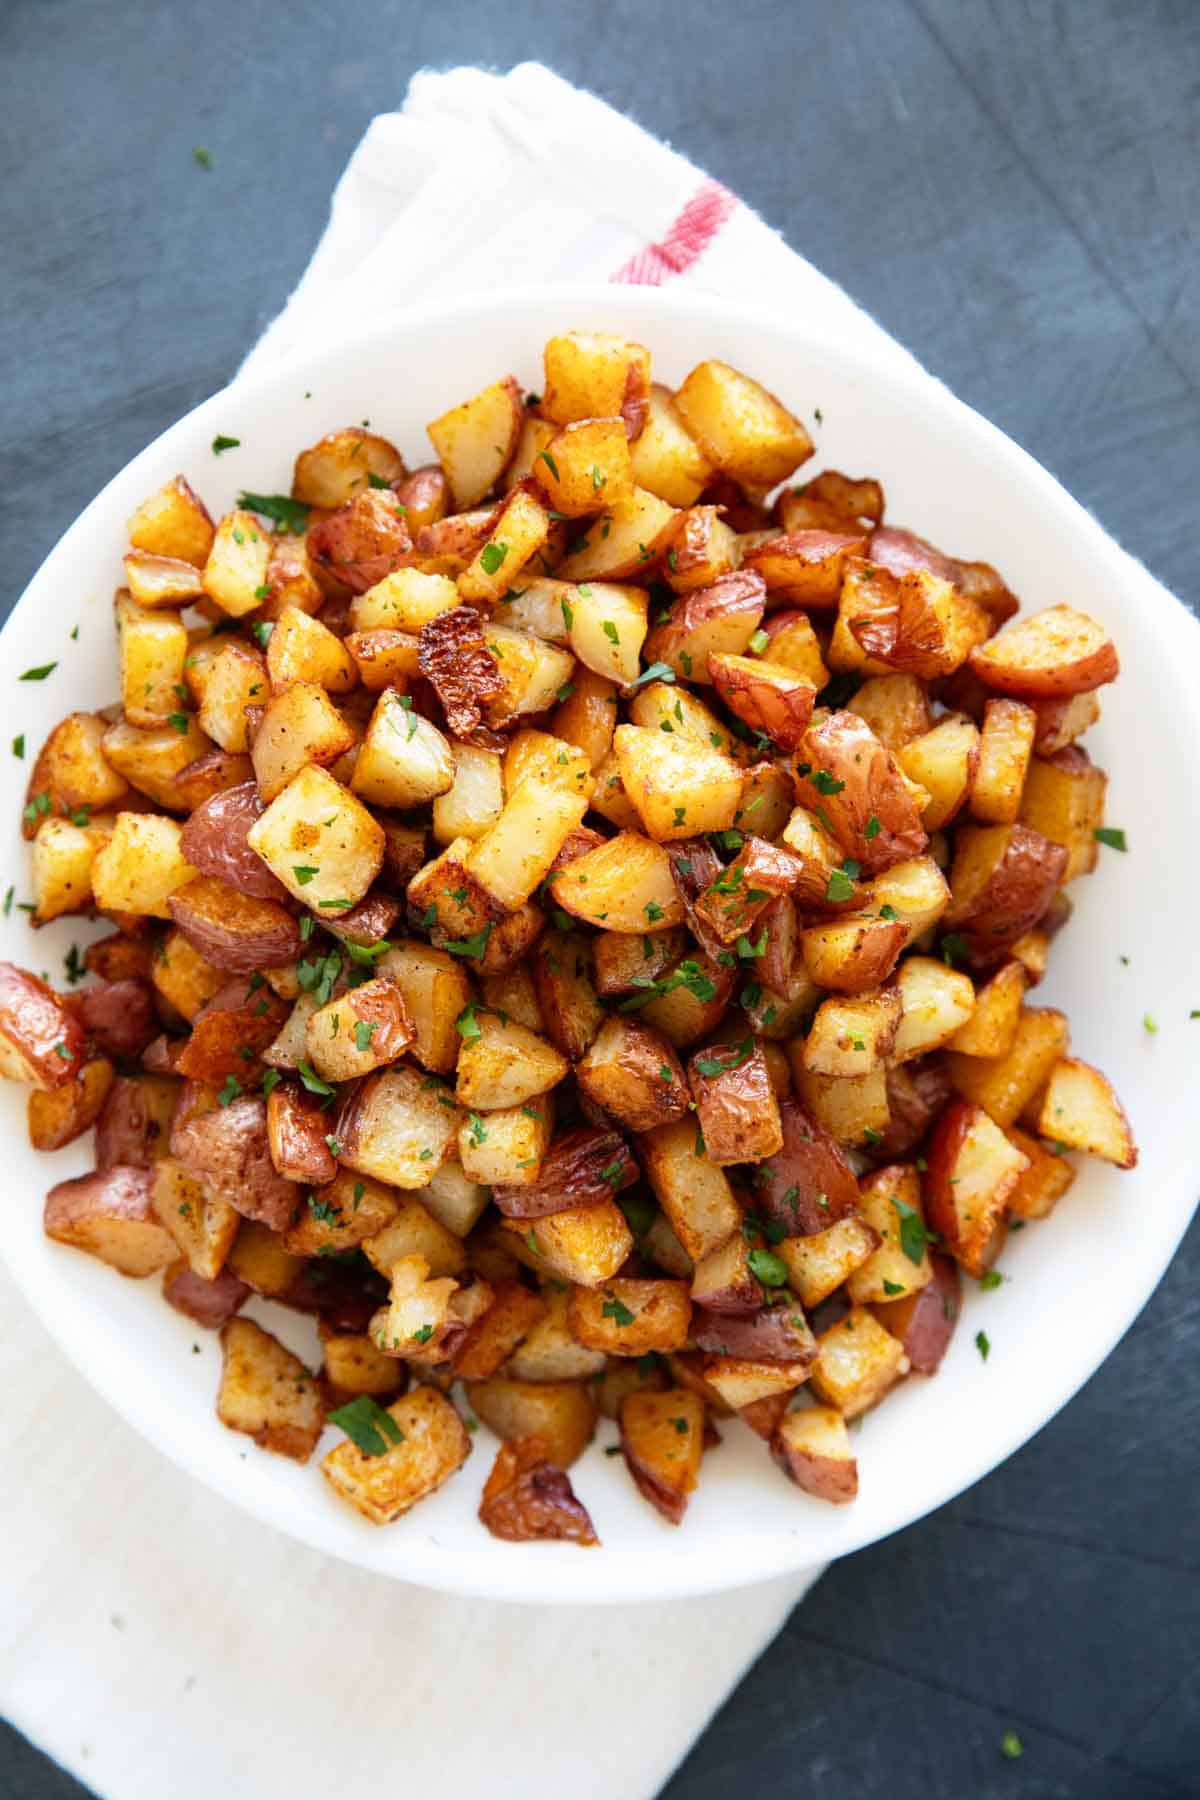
x: 1075, y: 1282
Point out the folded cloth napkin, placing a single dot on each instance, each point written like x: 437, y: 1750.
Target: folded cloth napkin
x: 156, y: 1641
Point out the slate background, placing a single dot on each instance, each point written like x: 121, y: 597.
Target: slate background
x: 1010, y: 187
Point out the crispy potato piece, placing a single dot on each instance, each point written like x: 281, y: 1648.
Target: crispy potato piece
x: 792, y: 642
x: 135, y: 1121
x: 397, y: 1127
x: 724, y: 1281
x: 230, y: 1033
x: 1005, y: 747
x: 203, y: 1225
x: 666, y: 458
x: 700, y: 548
x: 341, y: 464
x: 765, y: 695
x: 625, y: 540
x: 973, y: 1167
x: 319, y: 840
x: 664, y: 706
x: 678, y: 789
x: 630, y: 1317
x: 1005, y: 1085
x: 624, y: 885
x: 563, y: 996
x: 693, y: 1192
x: 549, y: 1352
x: 896, y: 707
x: 232, y: 930
x: 588, y: 716
x: 852, y: 955
x: 844, y: 771
x: 916, y: 623
x: 207, y: 1303
x: 237, y: 563
x: 718, y: 619
x: 1043, y: 1183
x: 744, y: 431
x: 518, y: 532
x: 858, y: 1362
x: 735, y: 1103
x: 57, y: 1116
x: 1063, y: 799
x: 944, y: 762
x: 411, y: 1229
x: 934, y: 1002
x: 516, y: 853
x: 475, y: 441
x: 818, y: 1264
x: 507, y: 1148
x: 1056, y: 652
x: 71, y: 773
x: 805, y: 568
x: 435, y: 989
x: 359, y: 1031
x: 492, y: 1339
x: 1003, y: 879
x: 1061, y: 721
x: 153, y: 760
x: 808, y: 1184
x: 235, y: 679
x: 1080, y: 1110
x: 303, y: 649
x: 226, y: 1149
x: 853, y: 1109
x: 384, y: 658
x: 42, y: 1041
x: 596, y: 374
x: 364, y: 540
x: 505, y: 1065
x: 298, y: 1135
x: 406, y: 600
x: 354, y: 1366
x: 621, y: 960
x: 300, y: 726
x: 582, y: 1244
x: 526, y: 1498
x: 267, y: 1392
x: 417, y: 1321
x: 140, y: 866
x: 854, y: 1034
x: 561, y: 1413
x: 214, y: 842
x: 63, y: 855
x: 585, y: 465
x: 432, y: 1445
x: 924, y: 1321
x: 475, y: 799
x: 584, y: 1167
x: 633, y: 1073
x: 662, y: 1438
x: 109, y: 1214
x: 812, y: 1447
x: 992, y: 1026
x: 891, y: 1206
x: 173, y: 522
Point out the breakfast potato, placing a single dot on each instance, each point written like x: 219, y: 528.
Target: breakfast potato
x: 362, y: 541
x: 857, y: 1362
x: 1043, y: 1183
x: 665, y: 457
x: 561, y: 1413
x: 1063, y: 800
x: 71, y: 773
x: 693, y: 1192
x: 973, y: 1167
x: 405, y: 1226
x: 110, y: 1214
x: 853, y: 1034
x: 353, y: 1366
x: 793, y: 643
x: 935, y: 1002
x: 426, y: 1444
x: 809, y: 1183
x: 990, y: 1029
x: 852, y: 1109
x: 315, y: 817
x: 583, y: 1167
x: 1002, y: 881
x: 766, y: 696
x: 563, y: 995
x: 506, y: 1149
x: 1005, y: 1085
x: 202, y: 1225
x: 743, y: 430
x: 944, y: 761
x: 623, y: 885
x: 207, y: 1303
x: 503, y: 1064
x: 232, y: 930
x: 584, y: 466
x: 230, y: 1033
x: 236, y: 566
x: 848, y: 778
x: 700, y: 548
x: 62, y: 859
x: 518, y: 532
x: 267, y: 1392
x: 406, y: 600
x: 890, y: 1204
x: 628, y: 1317
x: 173, y: 522
x: 1006, y: 743
x: 923, y: 1320
x: 624, y: 542
x: 662, y: 1440
x: 493, y: 1338
x: 736, y: 1107
x: 301, y: 648
x: 718, y: 619
x: 634, y: 1074
x: 397, y: 1127
x: 804, y: 567
x: 417, y: 1320
x: 57, y: 1116
x: 677, y: 789
x: 852, y: 955
x: 298, y: 1135
x: 596, y: 375
x: 516, y: 853
x: 1080, y: 1111
x: 42, y: 1042
x: 226, y: 1148
x: 724, y: 1281
x: 435, y: 989
x: 916, y: 623
x: 526, y: 1498
x: 214, y: 842
x: 475, y: 441
x: 583, y: 1244
x: 1049, y: 654
x: 154, y: 760
x: 743, y: 1381
x: 341, y: 464
x: 1061, y: 721
x: 135, y: 1121
x: 360, y: 1031
x: 820, y: 1263
x: 896, y: 707
x: 140, y: 866
x: 812, y: 1447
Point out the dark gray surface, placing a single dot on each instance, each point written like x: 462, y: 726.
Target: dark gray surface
x: 1011, y: 189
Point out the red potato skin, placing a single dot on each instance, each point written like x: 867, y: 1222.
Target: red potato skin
x: 297, y: 1128
x: 778, y: 960
x: 763, y: 1416
x: 1013, y: 899
x: 232, y: 930
x: 161, y: 1055
x: 207, y: 1303
x: 742, y: 593
x: 116, y: 1194
x: 362, y: 541
x: 425, y: 496
x: 38, y: 1024
x: 239, y: 1018
x: 844, y: 748
x: 368, y: 922
x: 814, y: 1165
x: 734, y: 1108
x: 214, y: 842
x: 213, y: 773
x: 925, y: 1321
x: 768, y: 1335
x: 834, y: 1480
x: 916, y: 1092
x: 526, y: 1498
x: 780, y: 707
x: 125, y: 1132
x: 695, y: 865
x: 344, y: 1297
x: 900, y: 552
x: 118, y: 1016
x: 227, y: 1150
x: 1080, y: 674
x: 664, y: 1499
x: 572, y: 1175
x: 937, y: 1191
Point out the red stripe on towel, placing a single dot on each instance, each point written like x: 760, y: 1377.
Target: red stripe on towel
x: 687, y: 240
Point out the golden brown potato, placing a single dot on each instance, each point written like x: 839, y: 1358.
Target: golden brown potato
x: 41, y: 1040
x: 110, y: 1215
x: 561, y: 1413
x: 628, y: 1317
x: 173, y: 522
x: 923, y: 1321
x: 583, y: 1167
x: 743, y: 430
x: 634, y: 1074
x: 853, y: 785
x: 427, y: 1443
x: 973, y: 1167
x: 526, y: 1498
x: 1080, y: 1110
x: 1005, y: 1085
x: 804, y: 567
x: 720, y: 618
x: 581, y: 1244
x: 736, y: 1107
x: 1043, y: 1183
x: 1056, y: 652
x: 267, y: 1392
x: 858, y: 1362
x: 693, y: 1192
x: 662, y: 1439
x: 812, y: 1447
x: 341, y: 464
x: 1063, y: 800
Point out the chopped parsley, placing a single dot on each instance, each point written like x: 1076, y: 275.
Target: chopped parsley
x: 230, y: 1091
x: 617, y: 1310
x: 759, y: 642
x: 913, y: 1235
x: 492, y: 556
x: 18, y: 745
x: 221, y: 443
x: 768, y: 1268
x: 290, y: 515
x: 712, y: 1065
x: 304, y: 872
x: 367, y: 1425
x: 364, y: 1031
x: 313, y: 1082
x: 475, y: 945
x: 983, y: 1344
x: 659, y: 671
x: 38, y: 674
x: 1111, y: 835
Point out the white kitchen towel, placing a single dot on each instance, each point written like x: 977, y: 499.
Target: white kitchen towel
x: 156, y: 1641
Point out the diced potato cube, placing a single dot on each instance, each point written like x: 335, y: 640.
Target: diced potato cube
x: 140, y: 866
x: 153, y: 648
x: 405, y: 600
x: 858, y: 1362
x: 506, y: 1148
x: 584, y: 1244
x: 173, y: 522
x: 320, y: 841
x: 432, y: 1444
x: 514, y: 855
x: 585, y: 466
x: 505, y: 1065
x: 236, y: 568
x: 680, y: 790
x: 608, y: 628
x: 267, y: 1392
x: 399, y: 1127
x: 301, y: 726
x: 519, y: 531
x: 475, y: 799
x: 234, y: 679
x: 852, y: 1035
x: 475, y: 441
x: 300, y: 648
x: 436, y: 988
x: 404, y: 760
x: 743, y: 430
